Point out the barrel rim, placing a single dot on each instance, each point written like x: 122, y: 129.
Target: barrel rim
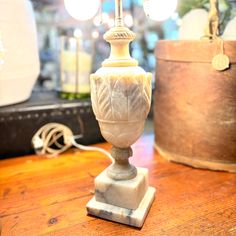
x: 199, y: 51
x: 196, y: 162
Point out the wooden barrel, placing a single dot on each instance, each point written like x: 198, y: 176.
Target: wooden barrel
x: 195, y: 105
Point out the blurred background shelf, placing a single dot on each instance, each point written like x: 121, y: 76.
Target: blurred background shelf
x: 20, y: 122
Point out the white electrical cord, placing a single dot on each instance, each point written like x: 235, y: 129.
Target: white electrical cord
x: 86, y: 148
x: 55, y: 138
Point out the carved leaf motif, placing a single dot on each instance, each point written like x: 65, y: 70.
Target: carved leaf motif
x: 94, y: 93
x: 103, y: 98
x: 119, y: 99
x: 147, y: 92
x: 135, y: 98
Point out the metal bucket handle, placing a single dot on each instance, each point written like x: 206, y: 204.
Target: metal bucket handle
x: 212, y: 30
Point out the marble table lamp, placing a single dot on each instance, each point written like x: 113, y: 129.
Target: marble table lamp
x: 121, y: 98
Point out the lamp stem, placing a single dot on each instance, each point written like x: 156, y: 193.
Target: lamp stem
x: 119, y: 14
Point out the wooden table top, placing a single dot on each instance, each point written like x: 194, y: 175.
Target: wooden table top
x: 40, y: 196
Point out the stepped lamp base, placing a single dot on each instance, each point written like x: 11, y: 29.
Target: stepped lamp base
x: 122, y: 201
x: 126, y: 216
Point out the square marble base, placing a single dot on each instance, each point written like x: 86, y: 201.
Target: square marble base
x: 123, y: 215
x: 121, y: 193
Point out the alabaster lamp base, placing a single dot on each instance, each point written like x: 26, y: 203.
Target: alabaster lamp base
x: 123, y: 201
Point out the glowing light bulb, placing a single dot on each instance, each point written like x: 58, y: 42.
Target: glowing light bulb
x: 82, y: 9
x: 95, y: 34
x: 128, y: 19
x: 97, y: 20
x: 78, y: 33
x: 159, y: 10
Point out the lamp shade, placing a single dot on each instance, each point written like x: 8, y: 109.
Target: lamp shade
x: 82, y: 9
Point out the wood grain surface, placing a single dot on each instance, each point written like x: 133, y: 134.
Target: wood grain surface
x: 40, y: 196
